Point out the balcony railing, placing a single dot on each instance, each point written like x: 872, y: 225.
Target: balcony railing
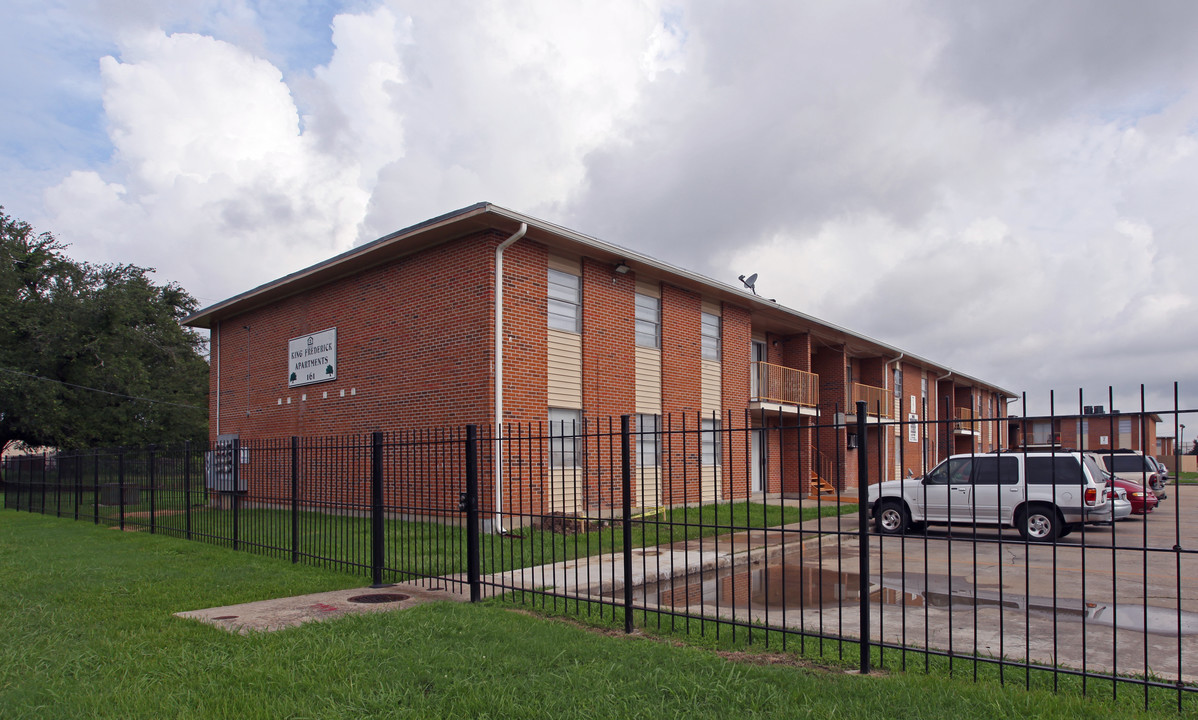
x: 965, y: 421
x: 787, y: 386
x: 875, y: 399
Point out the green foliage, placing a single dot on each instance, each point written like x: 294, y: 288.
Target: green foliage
x: 67, y: 326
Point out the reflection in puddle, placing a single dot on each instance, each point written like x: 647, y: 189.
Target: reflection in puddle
x: 789, y: 586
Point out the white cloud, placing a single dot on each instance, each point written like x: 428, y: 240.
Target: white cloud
x: 1027, y: 220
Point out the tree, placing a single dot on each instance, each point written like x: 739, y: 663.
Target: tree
x: 93, y: 354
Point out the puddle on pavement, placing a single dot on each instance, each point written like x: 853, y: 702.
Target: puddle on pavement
x: 794, y: 587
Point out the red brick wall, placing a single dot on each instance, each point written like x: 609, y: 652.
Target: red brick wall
x: 829, y: 364
x: 414, y: 346
x: 735, y: 358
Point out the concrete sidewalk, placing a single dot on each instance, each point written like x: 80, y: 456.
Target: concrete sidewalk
x: 603, y: 575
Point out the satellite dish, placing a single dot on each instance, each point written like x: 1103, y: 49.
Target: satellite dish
x: 750, y: 282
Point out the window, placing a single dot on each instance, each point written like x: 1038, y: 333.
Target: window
x: 710, y: 441
x: 954, y: 471
x: 648, y: 321
x: 1041, y: 432
x: 565, y: 301
x: 995, y: 471
x: 709, y: 328
x: 1063, y: 470
x: 648, y: 440
x: 898, y: 383
x: 564, y: 428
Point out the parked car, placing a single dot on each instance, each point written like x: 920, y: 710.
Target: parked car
x: 1045, y: 495
x: 1120, y: 504
x: 1161, y: 469
x: 1137, y: 467
x: 1143, y: 500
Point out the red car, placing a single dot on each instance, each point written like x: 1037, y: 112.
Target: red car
x: 1143, y: 500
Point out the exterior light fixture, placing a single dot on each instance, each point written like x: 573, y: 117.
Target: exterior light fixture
x: 623, y: 268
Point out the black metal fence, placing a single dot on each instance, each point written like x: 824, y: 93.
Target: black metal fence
x: 748, y: 528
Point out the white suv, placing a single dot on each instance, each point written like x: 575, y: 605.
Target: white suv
x: 1045, y: 495
x: 1137, y: 467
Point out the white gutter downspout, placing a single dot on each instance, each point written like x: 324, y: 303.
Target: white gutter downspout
x: 498, y: 529
x: 886, y: 446
x: 218, y: 378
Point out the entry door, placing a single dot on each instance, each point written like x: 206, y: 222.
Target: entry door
x: 757, y: 460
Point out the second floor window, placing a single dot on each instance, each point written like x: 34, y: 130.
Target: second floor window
x: 648, y: 321
x: 709, y: 328
x: 565, y: 301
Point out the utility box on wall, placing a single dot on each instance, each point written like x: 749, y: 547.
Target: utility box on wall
x: 221, y: 465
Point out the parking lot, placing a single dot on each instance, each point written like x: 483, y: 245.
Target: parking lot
x: 1122, y: 599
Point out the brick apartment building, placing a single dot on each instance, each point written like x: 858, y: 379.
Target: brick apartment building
x: 1094, y: 429
x: 401, y: 333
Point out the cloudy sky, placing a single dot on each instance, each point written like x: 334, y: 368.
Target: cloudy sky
x: 1008, y: 188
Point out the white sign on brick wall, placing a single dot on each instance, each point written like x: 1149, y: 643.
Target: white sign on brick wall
x: 312, y: 358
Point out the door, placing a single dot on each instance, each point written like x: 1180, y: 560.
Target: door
x: 757, y: 460
x: 995, y: 488
x: 756, y: 372
x: 947, y: 491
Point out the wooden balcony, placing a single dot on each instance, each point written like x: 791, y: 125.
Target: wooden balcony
x: 875, y: 398
x: 965, y: 423
x: 786, y: 386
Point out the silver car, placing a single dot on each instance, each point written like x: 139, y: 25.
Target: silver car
x: 1044, y: 495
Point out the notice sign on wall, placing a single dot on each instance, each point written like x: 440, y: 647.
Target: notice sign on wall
x: 312, y: 358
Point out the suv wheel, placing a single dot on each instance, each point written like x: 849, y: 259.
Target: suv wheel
x: 1039, y: 523
x: 891, y: 517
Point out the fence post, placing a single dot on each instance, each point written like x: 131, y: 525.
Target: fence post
x: 42, y: 509
x: 626, y: 485
x: 120, y: 485
x: 78, y: 483
x: 151, y: 490
x: 376, y: 509
x: 57, y: 484
x: 96, y: 488
x: 187, y: 487
x: 473, y: 564
x: 294, y: 499
x: 236, y: 495
x: 863, y: 532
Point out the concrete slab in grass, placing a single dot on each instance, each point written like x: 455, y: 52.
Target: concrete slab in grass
x: 281, y: 613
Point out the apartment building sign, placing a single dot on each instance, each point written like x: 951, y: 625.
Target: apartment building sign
x: 312, y: 358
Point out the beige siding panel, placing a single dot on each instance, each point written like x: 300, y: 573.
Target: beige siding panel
x: 759, y: 335
x: 565, y: 491
x: 648, y: 487
x: 709, y: 388
x: 709, y: 479
x: 566, y: 265
x: 652, y: 289
x: 648, y: 381
x: 564, y: 370
x: 711, y: 307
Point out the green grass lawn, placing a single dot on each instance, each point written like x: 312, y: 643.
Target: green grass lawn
x: 88, y: 632
x: 1187, y: 477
